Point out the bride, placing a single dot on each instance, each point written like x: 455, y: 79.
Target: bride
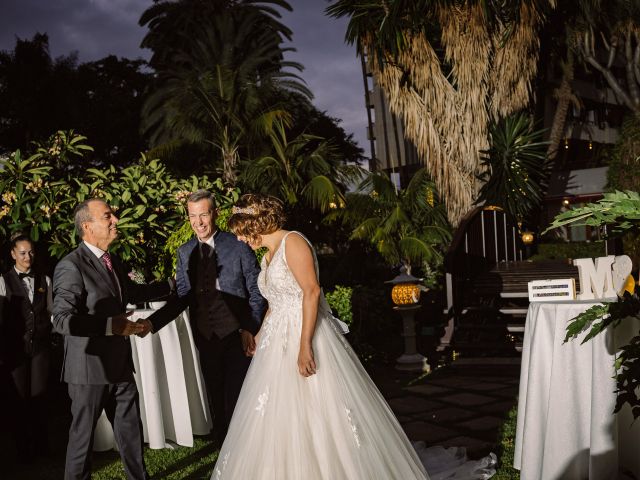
x: 308, y: 409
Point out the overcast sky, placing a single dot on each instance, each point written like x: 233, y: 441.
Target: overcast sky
x: 97, y: 28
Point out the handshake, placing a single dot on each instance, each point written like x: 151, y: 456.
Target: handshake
x: 121, y: 325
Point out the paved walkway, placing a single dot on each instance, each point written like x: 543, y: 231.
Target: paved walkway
x: 462, y: 404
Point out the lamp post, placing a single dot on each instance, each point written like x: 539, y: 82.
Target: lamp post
x: 406, y: 294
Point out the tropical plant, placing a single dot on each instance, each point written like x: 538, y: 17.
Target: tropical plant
x: 167, y: 21
x: 39, y: 200
x: 620, y: 212
x: 449, y: 68
x: 220, y: 88
x: 405, y: 226
x: 306, y: 169
x: 515, y: 171
x: 29, y: 196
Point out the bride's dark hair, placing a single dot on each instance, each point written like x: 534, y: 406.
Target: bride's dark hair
x: 255, y: 214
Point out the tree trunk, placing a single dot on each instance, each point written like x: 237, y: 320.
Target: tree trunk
x: 564, y: 94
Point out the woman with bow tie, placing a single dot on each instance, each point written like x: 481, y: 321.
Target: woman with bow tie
x: 25, y: 343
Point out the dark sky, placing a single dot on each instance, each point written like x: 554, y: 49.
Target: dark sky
x: 96, y: 28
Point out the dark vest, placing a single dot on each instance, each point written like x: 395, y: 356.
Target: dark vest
x: 211, y: 314
x: 28, y: 322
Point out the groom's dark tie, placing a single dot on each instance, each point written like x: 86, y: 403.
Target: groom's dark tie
x: 205, y: 251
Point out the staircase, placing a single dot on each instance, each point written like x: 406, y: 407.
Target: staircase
x: 506, y: 287
x: 486, y: 284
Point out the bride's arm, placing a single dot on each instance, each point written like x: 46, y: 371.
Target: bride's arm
x: 300, y: 261
x: 256, y: 338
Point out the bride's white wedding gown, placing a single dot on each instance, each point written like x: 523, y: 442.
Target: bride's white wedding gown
x: 334, y: 425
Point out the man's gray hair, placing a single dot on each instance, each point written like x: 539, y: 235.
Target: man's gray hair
x: 81, y: 214
x: 202, y: 194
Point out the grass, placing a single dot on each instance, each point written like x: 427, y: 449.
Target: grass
x: 180, y: 463
x: 506, y: 448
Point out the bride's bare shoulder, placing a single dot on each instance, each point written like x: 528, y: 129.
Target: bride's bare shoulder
x: 297, y: 247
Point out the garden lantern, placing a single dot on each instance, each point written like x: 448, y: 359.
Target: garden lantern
x: 406, y: 294
x: 527, y: 237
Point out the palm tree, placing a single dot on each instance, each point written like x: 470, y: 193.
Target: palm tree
x: 516, y: 167
x: 405, y: 226
x: 304, y: 170
x: 449, y: 68
x: 222, y: 90
x: 169, y: 20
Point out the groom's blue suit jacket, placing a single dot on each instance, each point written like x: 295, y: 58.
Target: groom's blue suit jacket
x: 237, y: 280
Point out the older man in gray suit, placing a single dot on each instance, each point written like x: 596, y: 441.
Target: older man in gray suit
x: 91, y: 291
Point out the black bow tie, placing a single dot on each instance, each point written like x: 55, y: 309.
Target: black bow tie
x: 23, y: 275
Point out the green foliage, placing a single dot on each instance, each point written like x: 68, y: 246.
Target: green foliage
x: 305, y: 169
x: 515, y: 173
x: 340, y: 302
x: 568, y: 250
x: 507, y: 447
x: 217, y: 82
x: 620, y: 211
x: 596, y: 316
x: 624, y: 172
x: 39, y: 198
x: 405, y: 226
x: 628, y: 376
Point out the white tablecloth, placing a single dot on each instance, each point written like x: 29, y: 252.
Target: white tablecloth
x: 173, y: 399
x: 566, y: 428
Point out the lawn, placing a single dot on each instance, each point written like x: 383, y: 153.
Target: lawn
x: 180, y: 463
x: 506, y: 447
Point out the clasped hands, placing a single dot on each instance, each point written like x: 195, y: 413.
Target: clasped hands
x: 121, y: 325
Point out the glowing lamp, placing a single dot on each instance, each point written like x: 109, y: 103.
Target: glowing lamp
x: 405, y: 294
x: 406, y: 290
x: 527, y: 238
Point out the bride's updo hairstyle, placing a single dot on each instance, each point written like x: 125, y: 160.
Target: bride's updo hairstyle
x: 254, y: 215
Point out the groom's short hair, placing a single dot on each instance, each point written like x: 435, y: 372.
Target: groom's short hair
x: 202, y: 194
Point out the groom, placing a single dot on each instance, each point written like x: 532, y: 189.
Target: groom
x: 216, y: 277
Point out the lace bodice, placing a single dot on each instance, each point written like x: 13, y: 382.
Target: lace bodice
x: 276, y: 282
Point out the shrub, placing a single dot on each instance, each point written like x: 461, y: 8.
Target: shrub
x: 40, y: 195
x: 568, y: 250
x: 340, y: 302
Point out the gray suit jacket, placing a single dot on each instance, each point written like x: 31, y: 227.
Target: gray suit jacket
x: 84, y: 297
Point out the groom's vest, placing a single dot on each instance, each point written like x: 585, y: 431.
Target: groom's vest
x: 211, y: 314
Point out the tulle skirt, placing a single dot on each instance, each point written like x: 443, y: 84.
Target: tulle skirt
x: 333, y: 425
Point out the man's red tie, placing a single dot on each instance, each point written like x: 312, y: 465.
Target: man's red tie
x: 106, y: 259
